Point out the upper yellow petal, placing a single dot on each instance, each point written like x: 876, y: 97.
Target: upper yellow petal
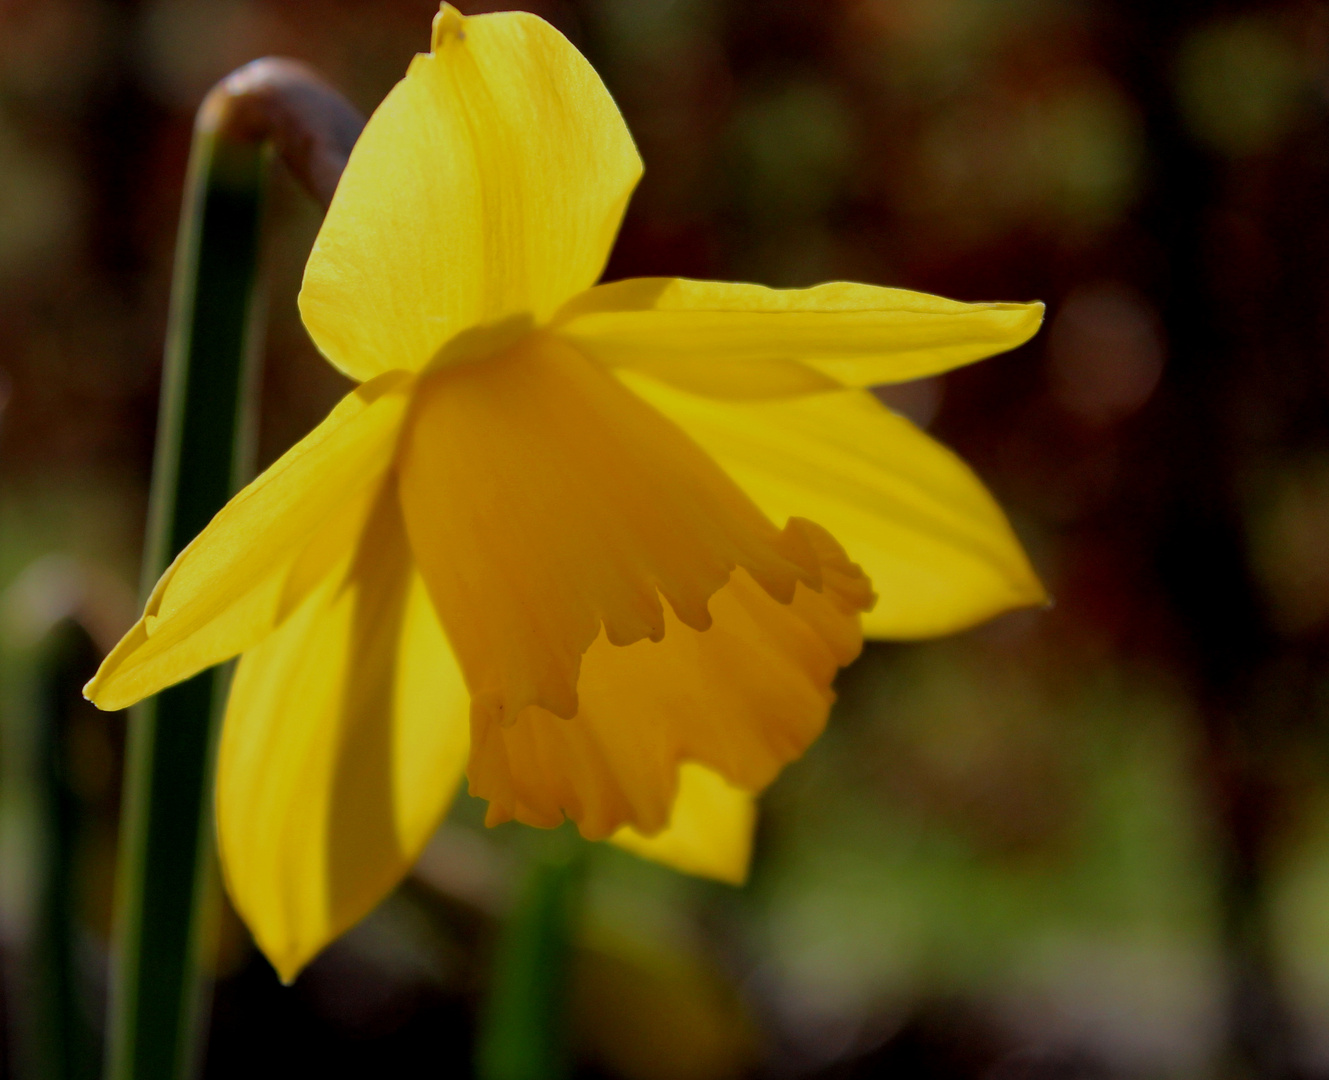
x: 937, y: 547
x: 343, y: 744
x: 488, y: 186
x: 746, y: 341
x: 262, y: 552
x: 709, y: 832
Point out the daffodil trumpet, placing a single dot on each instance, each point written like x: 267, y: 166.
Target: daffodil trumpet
x: 164, y: 874
x: 601, y: 547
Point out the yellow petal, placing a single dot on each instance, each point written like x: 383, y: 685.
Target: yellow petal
x: 257, y: 557
x: 488, y: 186
x: 746, y: 341
x: 709, y: 831
x: 743, y: 698
x: 343, y: 744
x: 938, y: 549
x: 543, y: 499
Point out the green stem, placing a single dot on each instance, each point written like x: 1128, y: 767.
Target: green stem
x: 166, y: 878
x: 62, y: 1043
x: 524, y: 1025
x: 165, y: 873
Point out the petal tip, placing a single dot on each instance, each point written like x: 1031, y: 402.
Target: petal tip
x: 449, y: 25
x: 1029, y: 588
x: 1028, y: 594
x: 736, y: 877
x: 287, y: 966
x: 101, y: 692
x: 1029, y: 320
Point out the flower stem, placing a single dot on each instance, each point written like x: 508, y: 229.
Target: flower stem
x: 63, y: 1046
x: 523, y: 1029
x: 166, y: 878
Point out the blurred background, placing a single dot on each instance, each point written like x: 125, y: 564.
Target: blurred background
x: 1085, y: 842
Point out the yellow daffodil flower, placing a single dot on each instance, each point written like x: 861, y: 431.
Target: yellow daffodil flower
x: 537, y: 541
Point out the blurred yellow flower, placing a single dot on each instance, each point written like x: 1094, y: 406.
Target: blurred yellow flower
x: 536, y: 541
